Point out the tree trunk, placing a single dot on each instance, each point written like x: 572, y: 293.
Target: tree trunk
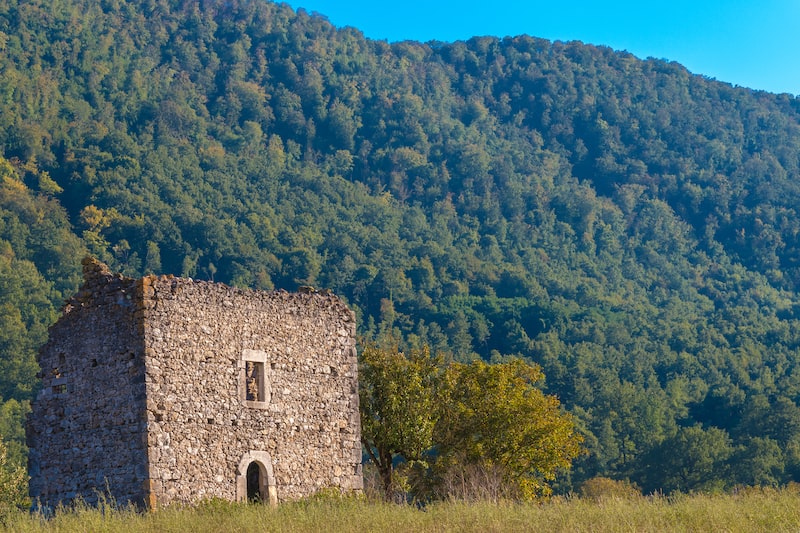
x: 385, y: 469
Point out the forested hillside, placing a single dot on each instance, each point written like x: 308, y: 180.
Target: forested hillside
x: 625, y: 224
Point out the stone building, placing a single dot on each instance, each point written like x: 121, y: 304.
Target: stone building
x: 163, y: 389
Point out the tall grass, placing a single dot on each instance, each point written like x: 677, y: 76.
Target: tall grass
x: 752, y: 510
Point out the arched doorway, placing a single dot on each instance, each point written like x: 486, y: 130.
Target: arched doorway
x: 255, y: 481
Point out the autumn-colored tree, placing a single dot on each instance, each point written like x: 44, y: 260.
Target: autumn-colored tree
x: 396, y: 393
x: 487, y: 422
x: 495, y: 419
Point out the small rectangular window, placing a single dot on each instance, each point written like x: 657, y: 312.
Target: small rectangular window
x: 255, y: 387
x: 59, y: 385
x: 254, y: 381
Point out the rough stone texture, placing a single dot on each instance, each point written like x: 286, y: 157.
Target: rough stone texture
x: 163, y: 390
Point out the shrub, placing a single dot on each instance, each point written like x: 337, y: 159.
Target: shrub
x: 603, y: 488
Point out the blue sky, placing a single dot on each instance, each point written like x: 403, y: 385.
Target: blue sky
x: 752, y: 43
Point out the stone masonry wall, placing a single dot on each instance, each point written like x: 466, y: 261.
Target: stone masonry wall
x: 202, y: 430
x: 86, y: 432
x: 163, y: 390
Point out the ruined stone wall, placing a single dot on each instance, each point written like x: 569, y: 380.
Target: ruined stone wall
x: 303, y: 421
x: 86, y: 432
x: 164, y: 390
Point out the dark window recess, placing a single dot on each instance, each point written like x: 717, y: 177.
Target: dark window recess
x: 60, y: 389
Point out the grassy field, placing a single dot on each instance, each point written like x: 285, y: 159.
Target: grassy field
x: 752, y: 510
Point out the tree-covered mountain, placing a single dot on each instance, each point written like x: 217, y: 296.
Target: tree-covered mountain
x: 629, y: 226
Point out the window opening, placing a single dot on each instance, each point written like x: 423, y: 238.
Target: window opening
x: 254, y: 381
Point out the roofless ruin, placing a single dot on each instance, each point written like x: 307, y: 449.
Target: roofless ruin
x: 161, y: 389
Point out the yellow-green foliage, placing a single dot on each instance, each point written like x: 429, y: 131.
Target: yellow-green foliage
x: 603, y: 488
x: 495, y: 420
x: 397, y: 406
x: 755, y: 510
x: 13, y: 486
x: 496, y: 435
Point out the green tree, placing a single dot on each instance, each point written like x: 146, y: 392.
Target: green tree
x: 396, y: 393
x: 152, y: 263
x: 759, y: 462
x: 13, y: 485
x: 12, y: 429
x: 494, y: 417
x: 692, y: 459
x: 626, y: 224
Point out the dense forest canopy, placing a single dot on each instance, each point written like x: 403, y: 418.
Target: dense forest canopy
x: 629, y: 226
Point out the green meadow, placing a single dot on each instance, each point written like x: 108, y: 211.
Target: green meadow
x: 749, y: 510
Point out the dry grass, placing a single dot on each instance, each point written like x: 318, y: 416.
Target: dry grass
x: 752, y: 510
